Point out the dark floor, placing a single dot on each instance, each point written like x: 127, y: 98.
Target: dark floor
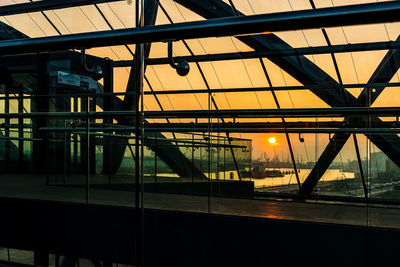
x: 34, y: 187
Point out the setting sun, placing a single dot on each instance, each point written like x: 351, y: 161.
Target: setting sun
x: 272, y: 140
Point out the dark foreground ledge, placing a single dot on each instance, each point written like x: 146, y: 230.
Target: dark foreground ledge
x: 190, y: 239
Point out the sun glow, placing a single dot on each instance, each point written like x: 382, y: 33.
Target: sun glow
x: 272, y: 140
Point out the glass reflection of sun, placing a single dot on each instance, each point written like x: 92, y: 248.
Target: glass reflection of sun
x: 272, y: 140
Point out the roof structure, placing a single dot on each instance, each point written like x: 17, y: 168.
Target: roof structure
x: 352, y: 66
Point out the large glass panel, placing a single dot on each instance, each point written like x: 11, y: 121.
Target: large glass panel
x: 69, y: 135
x: 47, y: 152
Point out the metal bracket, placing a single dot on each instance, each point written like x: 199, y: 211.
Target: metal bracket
x: 96, y: 72
x: 182, y: 67
x: 301, y: 138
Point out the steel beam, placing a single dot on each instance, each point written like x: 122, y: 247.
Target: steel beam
x: 8, y: 33
x: 386, y: 143
x: 367, y: 131
x: 364, y: 184
x: 274, y: 125
x: 299, y: 67
x: 169, y: 152
x: 190, y: 129
x: 328, y: 155
x: 272, y: 88
x: 43, y: 5
x: 385, y: 71
x: 295, y: 20
x: 229, y: 113
x: 321, y: 95
x: 273, y: 113
x: 205, y: 91
x: 211, y: 97
x: 269, y: 53
x: 131, y: 101
x: 8, y: 149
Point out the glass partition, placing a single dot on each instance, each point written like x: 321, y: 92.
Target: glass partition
x: 221, y: 125
x: 295, y: 125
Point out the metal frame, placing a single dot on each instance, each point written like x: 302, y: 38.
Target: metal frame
x: 43, y: 5
x: 304, y: 71
x: 296, y: 20
x: 266, y: 45
x: 383, y: 73
x: 220, y: 90
x: 229, y: 113
x: 316, y: 50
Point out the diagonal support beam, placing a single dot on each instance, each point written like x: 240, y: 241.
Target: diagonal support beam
x: 298, y: 67
x: 129, y: 103
x: 383, y: 73
x: 305, y: 72
x: 163, y: 148
x: 168, y: 152
x: 386, y: 143
x: 331, y: 151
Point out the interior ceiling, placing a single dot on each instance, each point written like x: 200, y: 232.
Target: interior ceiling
x: 354, y: 68
x: 351, y: 68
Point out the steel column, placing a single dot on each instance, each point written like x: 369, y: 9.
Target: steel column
x: 360, y: 166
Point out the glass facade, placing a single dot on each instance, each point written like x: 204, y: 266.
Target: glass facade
x: 309, y: 115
